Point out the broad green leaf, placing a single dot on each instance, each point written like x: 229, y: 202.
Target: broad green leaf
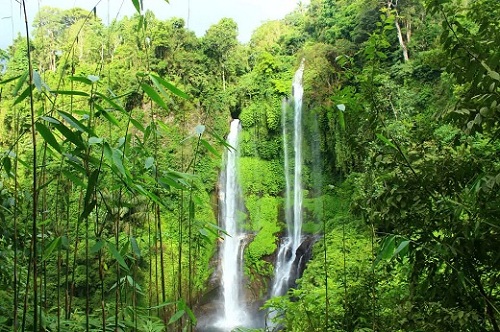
x: 48, y: 136
x: 137, y: 6
x: 402, y: 248
x: 97, y: 246
x: 116, y: 255
x: 176, y: 316
x: 7, y: 164
x: 154, y: 95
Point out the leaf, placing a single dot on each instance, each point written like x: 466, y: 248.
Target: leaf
x: 176, y: 316
x: 97, y: 246
x: 157, y: 80
x: 137, y: 6
x: 494, y: 75
x: 10, y: 79
x: 55, y: 244
x: 149, y: 162
x: 402, y: 248
x: 71, y: 93
x: 71, y: 136
x: 116, y: 255
x: 7, y: 164
x: 209, y: 147
x: 93, y: 78
x: 135, y: 247
x: 37, y: 80
x: 111, y: 102
x: 341, y: 107
x: 154, y: 95
x: 48, y: 136
x: 385, y: 140
x: 23, y: 95
x: 95, y: 140
x: 20, y: 83
x: 81, y: 79
x: 387, y: 249
x: 73, y: 122
x: 73, y: 178
x: 199, y: 129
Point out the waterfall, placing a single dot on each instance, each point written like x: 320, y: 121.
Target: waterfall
x: 284, y: 273
x: 231, y: 254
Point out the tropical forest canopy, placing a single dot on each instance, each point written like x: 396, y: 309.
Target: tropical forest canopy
x: 112, y: 139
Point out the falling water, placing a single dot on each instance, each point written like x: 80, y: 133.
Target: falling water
x: 231, y: 253
x: 284, y: 274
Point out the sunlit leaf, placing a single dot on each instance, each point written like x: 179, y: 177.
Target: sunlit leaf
x: 154, y: 95
x: 157, y: 80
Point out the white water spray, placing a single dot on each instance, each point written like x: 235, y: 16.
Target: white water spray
x: 234, y: 314
x: 288, y: 248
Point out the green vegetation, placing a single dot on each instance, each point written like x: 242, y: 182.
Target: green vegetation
x: 111, y: 141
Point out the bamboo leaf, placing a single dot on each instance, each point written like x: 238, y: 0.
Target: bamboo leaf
x: 116, y: 255
x: 135, y: 247
x: 385, y: 140
x: 73, y: 122
x: 137, y: 6
x: 402, y: 248
x: 81, y: 79
x: 97, y: 246
x: 154, y: 95
x: 48, y: 136
x: 70, y: 136
x: 10, y: 79
x: 55, y: 244
x: 20, y: 83
x: 71, y: 93
x: 157, y: 80
x: 209, y: 147
x: 23, y: 95
x: 176, y: 316
x: 37, y: 80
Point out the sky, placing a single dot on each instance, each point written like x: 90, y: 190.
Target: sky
x: 249, y: 14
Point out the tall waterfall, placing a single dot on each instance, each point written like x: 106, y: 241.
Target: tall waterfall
x: 284, y: 273
x: 232, y: 249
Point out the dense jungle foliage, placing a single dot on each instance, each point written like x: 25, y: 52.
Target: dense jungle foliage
x: 112, y: 139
